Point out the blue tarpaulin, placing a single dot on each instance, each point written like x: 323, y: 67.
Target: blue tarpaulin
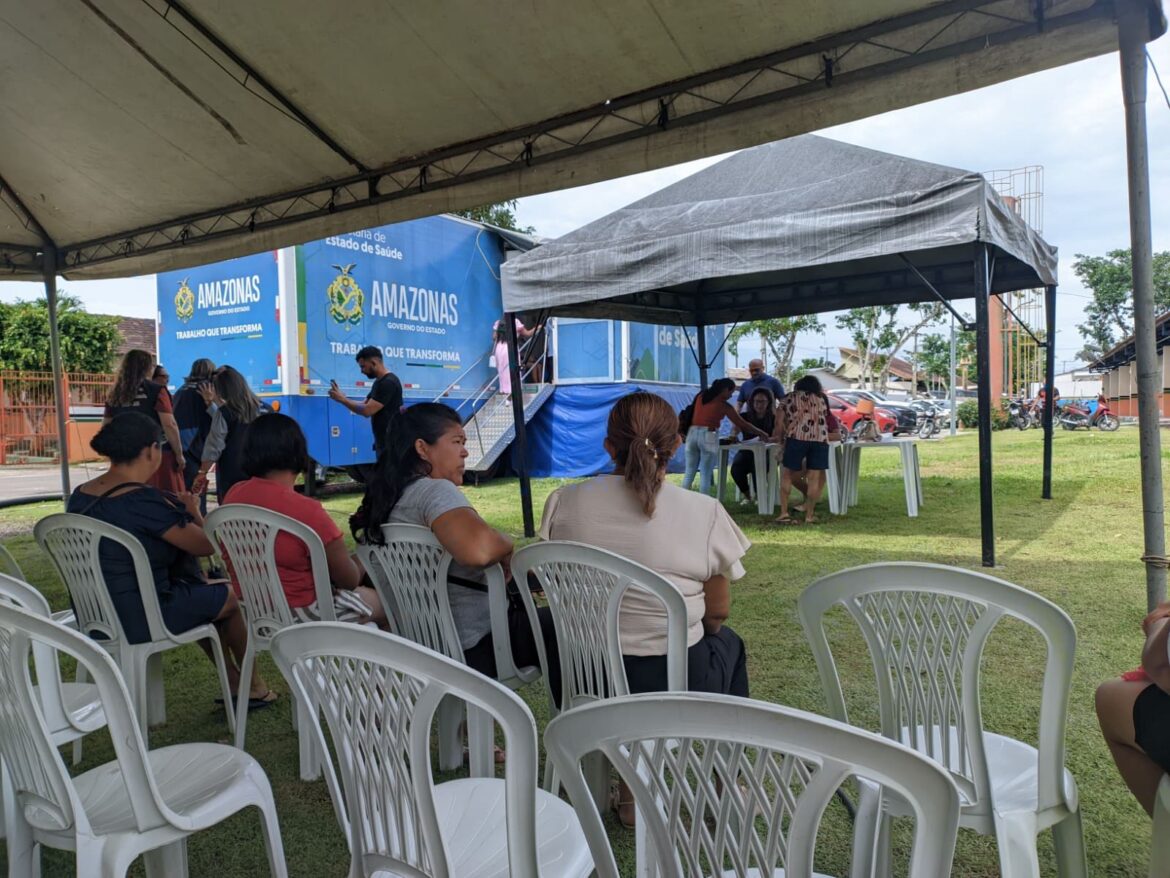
x: 565, y: 437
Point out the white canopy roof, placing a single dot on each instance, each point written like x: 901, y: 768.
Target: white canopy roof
x: 137, y: 135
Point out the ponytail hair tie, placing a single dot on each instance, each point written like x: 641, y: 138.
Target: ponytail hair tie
x: 650, y: 445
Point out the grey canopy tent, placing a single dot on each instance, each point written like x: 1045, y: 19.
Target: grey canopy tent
x: 801, y: 226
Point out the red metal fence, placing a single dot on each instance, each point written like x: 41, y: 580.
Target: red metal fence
x: 28, y: 419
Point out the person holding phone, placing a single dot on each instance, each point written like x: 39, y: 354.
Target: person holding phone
x: 383, y: 402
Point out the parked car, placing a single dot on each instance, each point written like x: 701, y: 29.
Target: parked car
x: 905, y: 418
x: 846, y: 412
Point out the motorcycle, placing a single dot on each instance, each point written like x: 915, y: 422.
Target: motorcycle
x: 1019, y: 414
x: 929, y: 423
x: 1073, y: 416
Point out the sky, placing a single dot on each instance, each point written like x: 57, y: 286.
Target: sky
x: 1069, y: 121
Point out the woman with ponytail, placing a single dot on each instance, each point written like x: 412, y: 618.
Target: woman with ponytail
x: 417, y: 482
x: 687, y: 537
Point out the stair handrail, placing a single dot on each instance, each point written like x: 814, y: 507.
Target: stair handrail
x: 538, y: 363
x: 462, y: 375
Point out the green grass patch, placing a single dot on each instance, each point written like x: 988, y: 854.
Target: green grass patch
x: 1080, y: 549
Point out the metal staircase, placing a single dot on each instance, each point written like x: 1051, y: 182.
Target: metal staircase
x: 491, y: 429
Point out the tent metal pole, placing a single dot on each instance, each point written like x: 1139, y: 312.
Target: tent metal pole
x: 983, y: 376
x: 954, y: 407
x: 1049, y: 380
x: 1133, y: 32
x: 701, y: 352
x: 50, y: 272
x: 521, y: 441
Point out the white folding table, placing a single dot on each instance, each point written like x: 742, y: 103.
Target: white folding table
x: 850, y: 465
x: 760, y: 452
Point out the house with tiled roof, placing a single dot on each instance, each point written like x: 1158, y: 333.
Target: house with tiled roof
x: 137, y: 334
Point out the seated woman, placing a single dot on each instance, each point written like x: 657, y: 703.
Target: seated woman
x: 687, y: 537
x: 1134, y: 713
x: 761, y: 412
x: 170, y: 530
x: 417, y: 482
x: 273, y: 454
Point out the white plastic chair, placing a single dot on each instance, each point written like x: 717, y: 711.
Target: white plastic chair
x: 1160, y: 846
x: 379, y: 694
x: 584, y: 586
x: 246, y: 536
x: 409, y: 571
x: 72, y: 542
x: 10, y: 567
x: 926, y: 626
x: 143, y: 802
x: 734, y: 787
x: 70, y: 711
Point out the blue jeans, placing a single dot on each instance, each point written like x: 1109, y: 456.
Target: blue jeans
x: 702, y: 454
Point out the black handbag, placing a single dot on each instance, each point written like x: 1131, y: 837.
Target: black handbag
x: 685, y: 417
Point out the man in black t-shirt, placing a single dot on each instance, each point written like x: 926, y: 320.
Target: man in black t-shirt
x: 384, y: 400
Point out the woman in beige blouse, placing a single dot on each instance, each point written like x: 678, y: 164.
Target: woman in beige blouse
x: 687, y: 537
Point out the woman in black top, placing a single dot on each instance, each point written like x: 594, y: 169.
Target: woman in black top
x: 170, y: 529
x: 192, y: 406
x: 236, y: 408
x: 761, y: 412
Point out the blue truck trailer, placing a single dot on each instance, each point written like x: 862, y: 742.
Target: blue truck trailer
x: 427, y: 293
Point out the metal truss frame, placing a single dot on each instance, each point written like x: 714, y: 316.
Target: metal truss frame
x: 943, y: 31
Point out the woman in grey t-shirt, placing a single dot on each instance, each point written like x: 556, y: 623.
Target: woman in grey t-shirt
x: 417, y: 482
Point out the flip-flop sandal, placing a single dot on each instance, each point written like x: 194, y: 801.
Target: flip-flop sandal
x: 262, y: 701
x: 257, y: 703
x: 786, y: 522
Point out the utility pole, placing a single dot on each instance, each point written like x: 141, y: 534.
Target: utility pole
x: 825, y: 354
x: 914, y: 369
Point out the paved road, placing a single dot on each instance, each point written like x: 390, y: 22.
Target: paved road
x: 25, y: 481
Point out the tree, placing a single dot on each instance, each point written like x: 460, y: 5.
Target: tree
x: 934, y: 354
x: 88, y: 341
x: 879, y: 332
x: 502, y: 215
x: 779, y: 334
x: 1109, y: 316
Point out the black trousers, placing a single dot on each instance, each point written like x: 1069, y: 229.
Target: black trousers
x: 717, y: 663
x: 743, y: 465
x: 482, y: 656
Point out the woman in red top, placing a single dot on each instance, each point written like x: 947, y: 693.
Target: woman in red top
x: 274, y: 453
x: 135, y: 391
x: 702, y: 448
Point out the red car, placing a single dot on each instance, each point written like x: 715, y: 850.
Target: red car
x: 848, y: 415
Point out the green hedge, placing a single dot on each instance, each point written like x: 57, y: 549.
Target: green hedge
x: 968, y: 414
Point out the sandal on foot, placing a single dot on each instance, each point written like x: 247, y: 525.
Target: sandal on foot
x: 257, y: 702
x: 622, y: 808
x: 785, y: 521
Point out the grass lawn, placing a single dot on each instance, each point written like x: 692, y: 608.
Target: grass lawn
x: 1080, y: 549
